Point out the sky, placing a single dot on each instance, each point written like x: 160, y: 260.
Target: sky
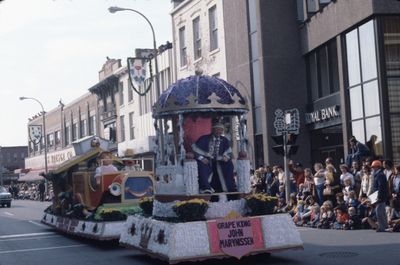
x: 54, y: 49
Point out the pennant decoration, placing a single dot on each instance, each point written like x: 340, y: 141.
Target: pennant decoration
x: 35, y: 133
x: 137, y: 74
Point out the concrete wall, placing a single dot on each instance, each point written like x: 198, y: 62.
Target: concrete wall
x: 237, y: 55
x: 284, y: 72
x: 334, y: 19
x: 341, y: 15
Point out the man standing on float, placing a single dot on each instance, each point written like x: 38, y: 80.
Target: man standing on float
x: 214, y: 160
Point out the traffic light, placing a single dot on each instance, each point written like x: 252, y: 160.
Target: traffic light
x: 278, y: 148
x: 291, y: 146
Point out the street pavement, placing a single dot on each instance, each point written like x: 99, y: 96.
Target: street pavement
x: 24, y: 240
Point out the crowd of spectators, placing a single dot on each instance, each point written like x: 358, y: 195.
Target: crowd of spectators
x: 362, y: 195
x: 30, y: 191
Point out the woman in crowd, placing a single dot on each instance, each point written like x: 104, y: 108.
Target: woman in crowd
x: 346, y: 175
x: 319, y: 181
x: 367, y: 180
x: 309, y: 181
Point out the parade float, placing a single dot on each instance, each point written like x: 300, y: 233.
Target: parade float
x: 90, y: 205
x: 188, y: 222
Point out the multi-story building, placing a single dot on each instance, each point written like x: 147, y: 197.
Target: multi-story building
x: 352, y: 55
x: 135, y: 121
x: 334, y: 63
x: 109, y: 85
x: 11, y: 158
x: 211, y: 36
x: 111, y: 110
x: 200, y: 45
x: 199, y: 39
x: 64, y: 125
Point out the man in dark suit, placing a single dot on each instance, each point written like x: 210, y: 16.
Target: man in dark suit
x: 214, y: 160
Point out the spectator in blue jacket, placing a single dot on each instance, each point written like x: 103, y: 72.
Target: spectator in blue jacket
x: 358, y: 151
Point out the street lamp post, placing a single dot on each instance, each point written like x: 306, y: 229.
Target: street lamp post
x: 114, y: 9
x: 285, y: 162
x: 44, y: 133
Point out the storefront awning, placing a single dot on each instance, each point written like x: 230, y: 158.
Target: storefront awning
x: 32, y: 176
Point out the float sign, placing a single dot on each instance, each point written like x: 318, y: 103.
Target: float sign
x: 235, y: 236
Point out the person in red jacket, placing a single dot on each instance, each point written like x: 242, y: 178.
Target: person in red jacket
x: 298, y: 174
x: 342, y: 218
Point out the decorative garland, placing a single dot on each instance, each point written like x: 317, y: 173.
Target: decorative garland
x: 151, y: 78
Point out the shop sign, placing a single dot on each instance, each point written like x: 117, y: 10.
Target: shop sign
x: 59, y: 157
x: 53, y: 159
x: 322, y: 114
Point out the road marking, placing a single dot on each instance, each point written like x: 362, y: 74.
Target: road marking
x: 38, y: 224
x: 27, y: 235
x: 7, y: 213
x: 29, y: 238
x: 39, y: 249
x: 304, y: 228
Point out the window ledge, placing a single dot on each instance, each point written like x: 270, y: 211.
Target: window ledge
x: 198, y: 60
x: 214, y: 51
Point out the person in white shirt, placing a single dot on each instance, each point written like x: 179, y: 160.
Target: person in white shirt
x: 105, y: 167
x: 367, y: 180
x: 346, y: 175
x: 319, y: 181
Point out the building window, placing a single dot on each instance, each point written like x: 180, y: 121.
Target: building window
x: 82, y: 128
x: 92, y: 125
x: 322, y: 71
x: 58, y: 138
x: 196, y: 38
x: 41, y: 145
x: 182, y: 46
x: 121, y: 93
x: 333, y: 67
x: 131, y: 127
x: 212, y: 16
x: 391, y: 31
x: 122, y: 121
x: 130, y: 92
x: 74, y: 132
x: 50, y: 140
x: 323, y: 62
x: 110, y: 132
x: 363, y: 87
x: 67, y: 134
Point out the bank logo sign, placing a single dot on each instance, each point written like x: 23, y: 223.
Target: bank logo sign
x: 322, y: 115
x: 35, y: 133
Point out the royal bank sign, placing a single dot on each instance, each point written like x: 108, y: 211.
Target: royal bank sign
x: 323, y: 114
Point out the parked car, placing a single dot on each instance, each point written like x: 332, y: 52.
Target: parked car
x: 5, y: 197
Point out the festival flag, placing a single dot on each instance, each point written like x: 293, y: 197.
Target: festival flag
x: 35, y: 133
x: 137, y: 71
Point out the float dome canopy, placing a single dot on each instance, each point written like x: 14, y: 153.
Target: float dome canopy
x: 200, y: 93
